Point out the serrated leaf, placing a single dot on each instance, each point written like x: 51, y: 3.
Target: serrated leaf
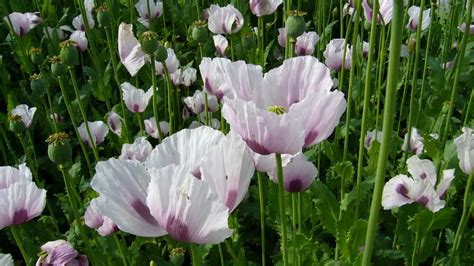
x: 327, y: 207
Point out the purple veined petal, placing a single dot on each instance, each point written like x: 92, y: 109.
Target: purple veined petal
x: 243, y: 81
x: 282, y: 37
x: 224, y: 20
x: 59, y: 252
x: 371, y: 137
x: 306, y: 42
x: 465, y: 150
x: 188, y: 76
x: 196, y: 103
x: 298, y: 174
x: 152, y: 129
x: 186, y: 207
x: 80, y: 40
x: 172, y: 62
x: 187, y: 147
x: 267, y: 163
x: 442, y: 188
x: 334, y: 54
x: 94, y: 219
x: 424, y: 194
x: 293, y: 81
x: 176, y: 77
x: 264, y: 7
x: 263, y: 130
x: 396, y: 192
x: 78, y: 22
x: 214, y: 75
x: 123, y: 185
x: 130, y: 51
x: 385, y: 9
x: 115, y: 123
x: 6, y: 260
x: 156, y: 8
x: 34, y: 19
x: 139, y: 150
x: 21, y: 202
x: 414, y: 14
x: 228, y: 169
x: 414, y: 144
x: 98, y: 130
x: 221, y: 44
x: 422, y: 169
x: 19, y: 22
x: 107, y: 228
x: 26, y: 113
x: 320, y: 114
x: 10, y: 175
x: 135, y: 99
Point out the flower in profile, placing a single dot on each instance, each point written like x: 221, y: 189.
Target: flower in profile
x: 465, y: 149
x: 228, y: 169
x: 334, y: 54
x: 462, y: 28
x: 414, y: 13
x: 98, y: 130
x: 26, y: 113
x: 176, y: 77
x: 224, y: 20
x: 155, y: 10
x: 385, y: 11
x: 413, y: 142
x: 186, y: 207
x: 137, y: 151
x: 221, y: 43
x: 135, y: 99
x: 196, y: 103
x: 122, y: 185
x: 305, y: 43
x: 94, y: 219
x: 115, y: 123
x: 282, y: 37
x: 298, y: 173
x: 60, y: 252
x: 371, y: 137
x: 188, y: 76
x: 420, y: 188
x: 152, y: 129
x: 22, y: 23
x: 264, y: 7
x: 78, y: 21
x: 6, y: 260
x: 79, y: 39
x: 130, y: 50
x: 20, y: 199
x: 171, y: 62
x: 213, y: 73
x: 294, y: 100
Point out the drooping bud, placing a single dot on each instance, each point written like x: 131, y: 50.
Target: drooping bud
x: 59, y: 150
x: 37, y: 84
x: 295, y: 24
x: 69, y: 55
x: 149, y: 42
x: 199, y: 32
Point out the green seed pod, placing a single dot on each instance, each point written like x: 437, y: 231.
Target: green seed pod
x: 177, y: 256
x: 104, y: 16
x: 69, y: 54
x: 295, y: 24
x: 200, y: 34
x: 161, y: 53
x: 59, y: 150
x: 16, y: 125
x: 149, y: 42
x: 38, y: 86
x: 58, y: 69
x: 411, y: 45
x: 36, y: 56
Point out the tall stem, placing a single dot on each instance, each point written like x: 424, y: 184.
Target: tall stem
x: 261, y: 36
x: 281, y: 201
x: 155, y: 97
x: 390, y: 95
x: 261, y: 198
x: 464, y: 217
x: 170, y: 101
x: 83, y: 112
x: 16, y: 236
x: 121, y: 249
x: 196, y: 261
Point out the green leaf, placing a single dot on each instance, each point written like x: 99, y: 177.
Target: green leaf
x: 327, y: 207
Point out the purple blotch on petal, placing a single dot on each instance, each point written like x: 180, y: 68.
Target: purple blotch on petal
x: 257, y: 147
x: 20, y: 216
x: 423, y: 200
x: 310, y: 137
x: 402, y: 190
x: 231, y: 198
x: 295, y: 186
x: 177, y: 229
x: 143, y: 211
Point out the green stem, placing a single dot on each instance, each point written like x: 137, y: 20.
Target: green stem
x: 390, y: 96
x: 405, y: 89
x: 380, y: 71
x: 261, y: 197
x: 121, y: 249
x: 468, y: 110
x: 415, y: 249
x: 221, y: 254
x: 281, y: 201
x: 464, y: 217
x: 155, y: 97
x: 261, y: 38
x: 16, y: 236
x: 206, y: 104
x: 458, y: 64
x: 170, y: 101
x: 83, y: 112
x: 74, y: 124
x: 196, y: 261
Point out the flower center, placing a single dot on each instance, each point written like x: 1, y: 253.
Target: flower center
x: 279, y: 110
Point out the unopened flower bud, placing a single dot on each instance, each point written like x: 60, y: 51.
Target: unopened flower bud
x: 57, y: 67
x: 59, y: 150
x: 295, y: 24
x: 149, y: 42
x: 37, y: 84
